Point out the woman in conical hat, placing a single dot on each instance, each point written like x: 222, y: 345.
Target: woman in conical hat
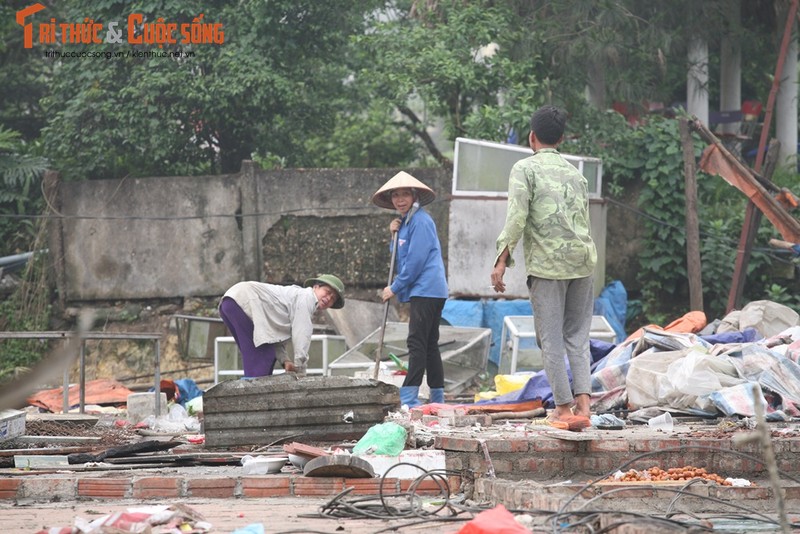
x: 420, y: 281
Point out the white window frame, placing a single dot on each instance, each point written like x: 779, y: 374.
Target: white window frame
x: 578, y: 161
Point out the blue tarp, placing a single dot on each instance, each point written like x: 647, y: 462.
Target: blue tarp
x: 613, y: 305
x: 487, y: 313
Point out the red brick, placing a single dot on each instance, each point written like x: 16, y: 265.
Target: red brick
x: 791, y: 493
x: 648, y: 445
x: 502, y: 466
x: 318, y: 487
x: 455, y: 484
x: 371, y: 486
x: 730, y: 493
x: 416, y: 414
x: 593, y: 465
x: 266, y: 486
x: 507, y: 445
x: 554, y: 445
x: 567, y: 491
x: 541, y: 465
x: 454, y: 463
x: 104, y: 488
x: 155, y: 487
x: 424, y: 487
x: 713, y: 443
x: 449, y: 443
x: 8, y: 488
x: 608, y: 445
x: 632, y: 491
x: 216, y: 488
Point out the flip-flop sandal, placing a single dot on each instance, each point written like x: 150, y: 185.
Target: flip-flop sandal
x: 574, y: 423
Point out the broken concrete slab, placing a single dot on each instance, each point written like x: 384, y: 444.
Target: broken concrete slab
x: 339, y: 465
x: 277, y: 408
x: 40, y: 461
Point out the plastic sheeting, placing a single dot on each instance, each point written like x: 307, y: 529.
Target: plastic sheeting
x: 486, y: 313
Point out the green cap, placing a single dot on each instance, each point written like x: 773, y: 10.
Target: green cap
x: 333, y: 282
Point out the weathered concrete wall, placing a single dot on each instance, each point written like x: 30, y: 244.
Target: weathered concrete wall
x: 475, y: 224
x: 196, y: 236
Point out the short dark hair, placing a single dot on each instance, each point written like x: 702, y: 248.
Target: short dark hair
x: 547, y: 123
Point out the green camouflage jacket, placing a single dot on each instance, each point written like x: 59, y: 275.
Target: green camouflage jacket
x: 548, y: 207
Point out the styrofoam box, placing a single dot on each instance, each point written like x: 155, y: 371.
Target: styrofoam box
x: 429, y: 460
x: 12, y: 424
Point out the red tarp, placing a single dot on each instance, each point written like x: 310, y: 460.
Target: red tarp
x: 102, y: 391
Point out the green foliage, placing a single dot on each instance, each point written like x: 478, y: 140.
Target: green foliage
x: 19, y: 192
x: 782, y: 295
x: 364, y: 139
x: 28, y: 309
x: 275, y: 83
x: 650, y: 157
x: 457, y: 62
x: 19, y: 353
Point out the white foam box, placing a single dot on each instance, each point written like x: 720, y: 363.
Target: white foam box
x: 12, y: 424
x: 429, y: 460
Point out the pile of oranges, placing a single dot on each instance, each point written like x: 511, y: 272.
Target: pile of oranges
x: 656, y: 474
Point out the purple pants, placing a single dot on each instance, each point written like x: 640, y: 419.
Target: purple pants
x: 257, y: 361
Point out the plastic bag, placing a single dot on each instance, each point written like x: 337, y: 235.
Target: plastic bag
x: 508, y: 383
x: 386, y: 438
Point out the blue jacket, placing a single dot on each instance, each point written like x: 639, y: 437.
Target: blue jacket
x: 420, y: 269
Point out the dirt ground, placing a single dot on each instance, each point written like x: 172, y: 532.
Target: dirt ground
x: 276, y: 515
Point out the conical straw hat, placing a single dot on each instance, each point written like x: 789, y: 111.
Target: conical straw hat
x: 383, y: 196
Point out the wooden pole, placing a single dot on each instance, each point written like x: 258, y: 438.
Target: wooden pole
x: 693, y: 262
x: 379, y: 350
x: 752, y: 215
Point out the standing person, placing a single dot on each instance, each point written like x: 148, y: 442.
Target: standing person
x: 420, y: 280
x: 262, y: 317
x: 548, y: 208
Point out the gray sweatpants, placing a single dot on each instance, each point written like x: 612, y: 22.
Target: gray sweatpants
x: 562, y: 318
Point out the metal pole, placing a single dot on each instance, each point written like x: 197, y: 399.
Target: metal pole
x: 379, y: 351
x: 83, y: 377
x: 65, y: 407
x: 157, y: 403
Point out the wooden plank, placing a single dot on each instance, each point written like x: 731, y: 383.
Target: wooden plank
x: 44, y: 451
x: 60, y: 440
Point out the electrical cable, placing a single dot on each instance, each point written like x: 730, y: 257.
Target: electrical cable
x: 382, y: 505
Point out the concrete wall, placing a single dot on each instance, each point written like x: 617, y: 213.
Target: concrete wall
x: 144, y: 238
x: 475, y: 224
x: 196, y: 236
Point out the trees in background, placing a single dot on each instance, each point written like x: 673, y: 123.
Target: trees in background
x: 375, y: 84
